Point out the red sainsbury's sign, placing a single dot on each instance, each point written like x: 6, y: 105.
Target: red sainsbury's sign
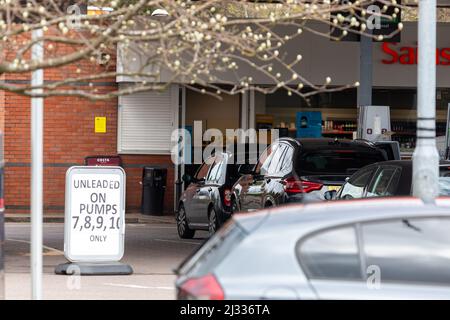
x: 408, y: 55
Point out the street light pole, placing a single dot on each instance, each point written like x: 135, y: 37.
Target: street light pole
x: 365, y: 70
x: 426, y: 157
x: 37, y: 119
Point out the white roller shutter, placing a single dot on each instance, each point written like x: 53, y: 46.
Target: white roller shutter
x: 146, y: 121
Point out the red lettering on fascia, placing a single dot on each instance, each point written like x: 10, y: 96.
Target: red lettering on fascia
x: 408, y: 55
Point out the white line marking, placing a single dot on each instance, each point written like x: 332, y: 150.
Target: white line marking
x: 44, y: 246
x: 134, y: 286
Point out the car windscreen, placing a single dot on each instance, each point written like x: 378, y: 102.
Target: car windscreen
x: 214, y: 251
x: 337, y: 161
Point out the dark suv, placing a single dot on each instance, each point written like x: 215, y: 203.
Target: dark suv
x: 294, y: 170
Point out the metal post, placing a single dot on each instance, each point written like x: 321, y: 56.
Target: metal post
x: 365, y: 71
x: 37, y: 116
x: 426, y: 157
x: 179, y: 169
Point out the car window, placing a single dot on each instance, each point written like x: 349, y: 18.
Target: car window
x: 286, y: 165
x: 220, y: 176
x: 203, y: 170
x: 215, y: 174
x: 444, y: 181
x: 264, y: 163
x: 277, y: 158
x: 414, y: 250
x: 444, y: 186
x: 354, y: 187
x: 392, y: 188
x: 265, y: 157
x: 392, y: 149
x: 384, y: 182
x: 345, y: 161
x: 332, y: 254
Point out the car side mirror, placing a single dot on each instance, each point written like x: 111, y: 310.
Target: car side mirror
x: 245, y: 169
x: 330, y: 195
x: 346, y: 179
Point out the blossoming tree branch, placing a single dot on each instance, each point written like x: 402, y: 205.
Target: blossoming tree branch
x: 212, y: 46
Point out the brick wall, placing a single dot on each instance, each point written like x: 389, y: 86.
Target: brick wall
x: 68, y: 138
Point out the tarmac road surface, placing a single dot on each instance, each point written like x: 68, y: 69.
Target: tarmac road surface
x: 153, y: 250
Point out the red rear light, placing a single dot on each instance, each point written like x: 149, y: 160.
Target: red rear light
x: 293, y: 185
x: 2, y: 204
x: 227, y: 197
x: 203, y: 288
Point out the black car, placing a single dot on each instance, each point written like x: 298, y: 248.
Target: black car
x: 385, y: 179
x: 206, y: 202
x: 294, y: 170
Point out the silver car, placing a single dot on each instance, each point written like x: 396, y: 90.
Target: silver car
x: 397, y: 248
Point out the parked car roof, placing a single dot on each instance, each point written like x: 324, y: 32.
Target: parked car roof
x: 318, y: 143
x: 407, y: 163
x: 332, y: 141
x: 310, y: 217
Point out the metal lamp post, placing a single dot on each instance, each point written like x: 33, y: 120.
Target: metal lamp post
x: 426, y: 157
x: 37, y: 119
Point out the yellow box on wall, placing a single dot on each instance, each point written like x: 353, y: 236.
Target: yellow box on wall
x: 100, y: 124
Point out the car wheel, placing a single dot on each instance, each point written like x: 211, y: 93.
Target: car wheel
x: 213, y: 222
x: 183, y: 229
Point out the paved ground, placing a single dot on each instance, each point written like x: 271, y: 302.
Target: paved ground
x: 152, y: 249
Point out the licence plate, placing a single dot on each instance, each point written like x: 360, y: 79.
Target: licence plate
x: 330, y: 188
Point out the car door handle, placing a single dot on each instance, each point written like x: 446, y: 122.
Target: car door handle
x: 210, y: 189
x: 198, y: 190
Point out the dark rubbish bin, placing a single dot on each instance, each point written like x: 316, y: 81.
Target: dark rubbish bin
x: 153, y: 188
